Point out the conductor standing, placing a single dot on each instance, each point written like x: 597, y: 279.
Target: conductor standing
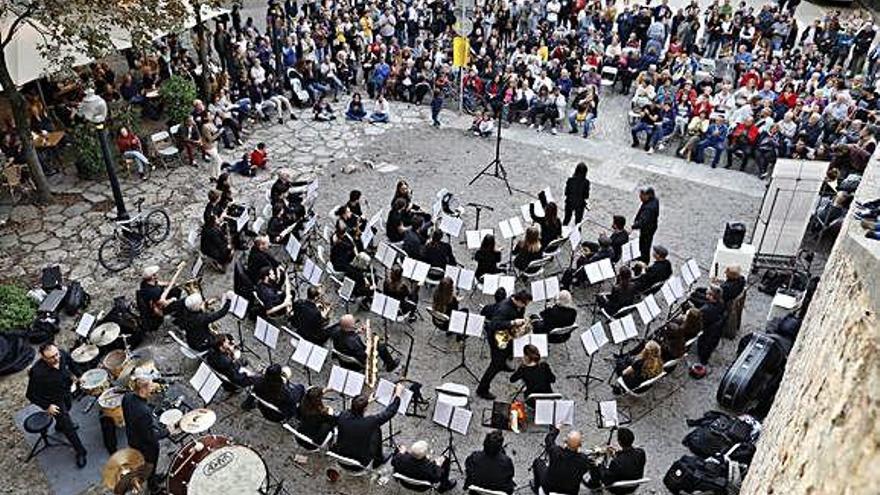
x: 646, y: 222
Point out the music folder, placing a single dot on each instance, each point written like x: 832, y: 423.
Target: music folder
x: 554, y: 412
x: 465, y: 323
x: 668, y: 296
x: 309, y: 355
x: 538, y: 340
x: 599, y: 271
x: 451, y: 225
x: 385, y: 394
x: 415, y: 270
x: 346, y: 382
x: 312, y: 273
x: 293, y: 247
x: 594, y: 338
x: 491, y: 282
x: 511, y: 227
x: 205, y: 382
x: 648, y: 309
x: 544, y: 289
x: 85, y: 324
x: 623, y: 329
x: 630, y: 251
x: 266, y: 333
x: 461, y: 277
x: 386, y: 255
x: 238, y: 306
x: 384, y: 306
x: 677, y: 287
x: 347, y: 289
x: 452, y: 417
x: 475, y: 237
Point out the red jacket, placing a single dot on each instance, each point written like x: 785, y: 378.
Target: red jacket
x: 259, y: 158
x: 750, y: 132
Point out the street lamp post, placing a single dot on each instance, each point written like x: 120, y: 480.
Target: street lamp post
x: 94, y: 109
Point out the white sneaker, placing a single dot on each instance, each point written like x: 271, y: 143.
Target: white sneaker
x: 651, y: 151
x: 553, y: 131
x: 540, y: 128
x: 531, y: 126
x: 661, y: 147
x: 523, y: 120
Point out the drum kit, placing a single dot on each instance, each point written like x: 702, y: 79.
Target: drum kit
x: 110, y: 402
x: 125, y: 472
x: 216, y: 464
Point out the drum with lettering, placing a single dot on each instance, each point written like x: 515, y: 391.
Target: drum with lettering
x: 111, y: 405
x: 214, y: 464
x: 95, y: 382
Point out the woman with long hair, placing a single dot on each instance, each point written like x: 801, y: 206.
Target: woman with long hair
x: 535, y: 374
x: 622, y: 294
x: 528, y: 249
x: 396, y: 287
x: 645, y: 366
x: 487, y: 257
x: 316, y: 418
x: 274, y: 388
x: 445, y: 301
x: 577, y: 192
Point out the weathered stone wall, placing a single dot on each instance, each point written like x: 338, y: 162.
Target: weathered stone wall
x: 822, y: 436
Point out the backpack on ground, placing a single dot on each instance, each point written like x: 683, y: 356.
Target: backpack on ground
x: 691, y: 473
x: 77, y: 299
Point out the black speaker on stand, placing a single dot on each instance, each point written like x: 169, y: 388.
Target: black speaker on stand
x: 734, y: 234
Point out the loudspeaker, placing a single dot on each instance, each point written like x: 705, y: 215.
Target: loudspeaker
x: 734, y: 234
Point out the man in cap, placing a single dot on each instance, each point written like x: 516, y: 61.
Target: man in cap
x: 151, y: 304
x: 660, y: 270
x: 195, y: 322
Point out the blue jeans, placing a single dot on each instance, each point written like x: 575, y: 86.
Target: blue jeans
x: 377, y: 117
x: 436, y: 105
x: 701, y: 149
x: 653, y: 133
x: 138, y: 158
x: 357, y: 116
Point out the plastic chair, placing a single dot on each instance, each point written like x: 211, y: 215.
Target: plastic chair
x: 642, y: 388
x: 412, y: 484
x: 562, y: 335
x: 349, y: 465
x: 307, y: 443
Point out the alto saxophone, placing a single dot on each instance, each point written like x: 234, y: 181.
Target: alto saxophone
x: 371, y: 367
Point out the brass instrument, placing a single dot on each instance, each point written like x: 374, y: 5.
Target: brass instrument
x: 504, y: 337
x: 192, y: 286
x: 371, y: 368
x: 323, y: 305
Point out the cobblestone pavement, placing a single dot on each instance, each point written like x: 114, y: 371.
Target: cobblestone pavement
x: 696, y: 201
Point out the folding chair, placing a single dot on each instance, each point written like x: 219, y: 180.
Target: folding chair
x: 626, y: 484
x: 609, y: 76
x: 349, y: 465
x: 187, y: 351
x: 479, y: 490
x: 347, y: 362
x: 562, y: 335
x: 307, y: 443
x: 435, y: 275
x: 412, y: 484
x: 643, y: 387
x: 166, y: 152
x: 554, y: 248
x: 441, y: 323
x: 534, y: 270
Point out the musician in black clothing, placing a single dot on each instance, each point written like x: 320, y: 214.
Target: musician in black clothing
x: 487, y: 257
x: 535, y: 374
x: 276, y: 229
x: 316, y: 419
x: 308, y: 319
x: 734, y: 283
x: 215, y: 244
x: 577, y: 192
x: 713, y: 313
x: 397, y: 288
x: 273, y: 387
x: 438, y: 253
x: 221, y: 358
x: 622, y: 294
x: 142, y: 429
x: 551, y: 227
x: 414, y: 463
x: 626, y: 463
x: 658, y: 271
x: 275, y: 300
x: 354, y: 203
x: 507, y: 314
x: 280, y: 187
x: 348, y: 341
x: 215, y: 207
x: 195, y: 322
x: 619, y: 236
x: 560, y: 315
x: 413, y: 244
x: 646, y: 221
x: 565, y: 466
x: 260, y: 257
x: 490, y: 468
x: 151, y: 306
x: 49, y: 381
x: 359, y: 437
x: 591, y: 253
x: 343, y: 255
x: 396, y: 219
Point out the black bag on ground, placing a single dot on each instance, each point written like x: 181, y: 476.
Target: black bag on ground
x: 77, y: 298
x: 716, y: 433
x: 43, y: 328
x: 690, y: 473
x: 50, y: 278
x: 757, y: 368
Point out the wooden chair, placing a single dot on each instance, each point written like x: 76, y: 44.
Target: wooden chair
x: 734, y: 316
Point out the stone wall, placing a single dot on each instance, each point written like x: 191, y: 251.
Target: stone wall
x: 822, y: 436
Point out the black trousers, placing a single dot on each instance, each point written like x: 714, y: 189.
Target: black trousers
x: 578, y: 213
x: 539, y: 474
x: 646, y: 240
x: 707, y: 342
x: 497, y: 363
x: 64, y: 425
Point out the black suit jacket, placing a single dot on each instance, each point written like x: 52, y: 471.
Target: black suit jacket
x: 350, y: 344
x: 658, y: 271
x: 309, y: 322
x: 257, y: 260
x: 490, y: 472
x: 141, y: 428
x: 358, y: 437
x: 412, y: 244
x: 439, y: 255
x: 647, y: 217
x: 618, y: 240
x: 420, y: 469
x: 628, y: 464
x: 730, y: 289
x: 47, y: 385
x: 226, y: 366
x: 566, y: 468
x: 557, y: 317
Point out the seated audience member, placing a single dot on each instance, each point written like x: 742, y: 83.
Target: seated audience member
x: 381, y: 112
x: 622, y: 294
x: 828, y: 210
x: 560, y: 315
x: 649, y: 122
x: 129, y: 145
x: 347, y: 340
x: 414, y: 463
x: 242, y: 167
x: 323, y: 112
x: 565, y: 467
x: 634, y: 370
x: 490, y: 468
x: 658, y: 271
x: 316, y: 419
x: 483, y: 125
x: 222, y: 359
x: 487, y: 257
x: 307, y: 318
x: 275, y: 388
x: 359, y: 436
x: 260, y: 157
x: 355, y: 110
x: 625, y: 463
x: 535, y: 374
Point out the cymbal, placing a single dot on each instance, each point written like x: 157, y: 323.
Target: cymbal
x: 104, y: 334
x: 119, y: 464
x: 85, y: 353
x: 197, y: 421
x: 140, y: 364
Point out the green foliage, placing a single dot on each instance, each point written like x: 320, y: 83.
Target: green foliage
x: 178, y: 94
x: 17, y: 310
x: 124, y: 114
x: 89, y: 162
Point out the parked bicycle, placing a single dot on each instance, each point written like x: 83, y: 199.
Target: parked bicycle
x: 132, y: 236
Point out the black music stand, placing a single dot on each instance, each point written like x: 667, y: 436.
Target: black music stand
x: 464, y: 325
x: 478, y: 208
x: 448, y: 424
x: 592, y: 340
x: 496, y: 165
x: 622, y: 418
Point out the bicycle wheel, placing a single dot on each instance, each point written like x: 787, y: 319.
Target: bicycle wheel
x: 115, y: 254
x: 156, y: 226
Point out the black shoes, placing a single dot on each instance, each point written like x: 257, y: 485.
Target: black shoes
x: 485, y: 395
x: 81, y: 460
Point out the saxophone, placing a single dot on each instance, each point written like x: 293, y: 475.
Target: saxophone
x: 504, y: 337
x: 371, y: 367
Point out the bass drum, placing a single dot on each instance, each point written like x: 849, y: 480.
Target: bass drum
x: 214, y: 464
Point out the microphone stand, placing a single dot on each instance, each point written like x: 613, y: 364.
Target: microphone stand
x: 478, y: 208
x: 496, y: 165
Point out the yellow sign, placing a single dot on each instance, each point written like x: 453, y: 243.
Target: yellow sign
x: 461, y: 51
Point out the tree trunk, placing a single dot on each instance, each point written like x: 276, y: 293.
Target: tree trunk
x: 22, y: 127
x: 203, y: 53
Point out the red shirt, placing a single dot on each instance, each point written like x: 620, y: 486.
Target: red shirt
x: 788, y: 99
x: 128, y: 143
x: 751, y: 133
x: 259, y: 158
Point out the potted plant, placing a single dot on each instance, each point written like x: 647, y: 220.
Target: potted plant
x: 89, y: 162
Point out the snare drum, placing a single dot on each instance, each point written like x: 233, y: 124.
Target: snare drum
x: 86, y: 356
x: 114, y: 362
x: 214, y: 464
x: 95, y: 382
x: 111, y: 405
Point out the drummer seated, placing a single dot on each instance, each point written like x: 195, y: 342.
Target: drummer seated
x: 274, y: 300
x: 222, y: 359
x: 151, y: 306
x: 274, y: 388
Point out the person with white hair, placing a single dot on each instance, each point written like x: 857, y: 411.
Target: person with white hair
x: 195, y: 321
x: 414, y: 463
x: 560, y: 315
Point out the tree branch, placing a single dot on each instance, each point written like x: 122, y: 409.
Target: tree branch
x: 13, y: 28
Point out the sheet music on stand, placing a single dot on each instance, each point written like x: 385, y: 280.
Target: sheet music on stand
x: 309, y: 355
x: 609, y: 416
x: 666, y: 291
x: 205, y: 382
x: 538, y: 340
x: 385, y: 394
x: 310, y: 224
x: 630, y: 251
x: 545, y: 289
x: 415, y: 270
x: 266, y: 333
x: 197, y: 266
x: 492, y: 281
x: 677, y: 287
x: 451, y: 225
x: 648, y: 309
x: 475, y: 237
x: 574, y: 238
x: 367, y: 235
x: 694, y: 270
x: 238, y: 306
x: 85, y: 324
x: 293, y: 248
x: 599, y: 271
x: 526, y: 214
x: 384, y: 306
x: 347, y: 289
x: 623, y: 329
x: 193, y: 239
x: 386, y: 255
x: 454, y: 418
x: 346, y: 382
x: 258, y: 224
x: 511, y: 227
x: 312, y: 273
x: 466, y: 323
x: 241, y: 221
x: 461, y: 277
x: 594, y: 338
x: 554, y: 412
